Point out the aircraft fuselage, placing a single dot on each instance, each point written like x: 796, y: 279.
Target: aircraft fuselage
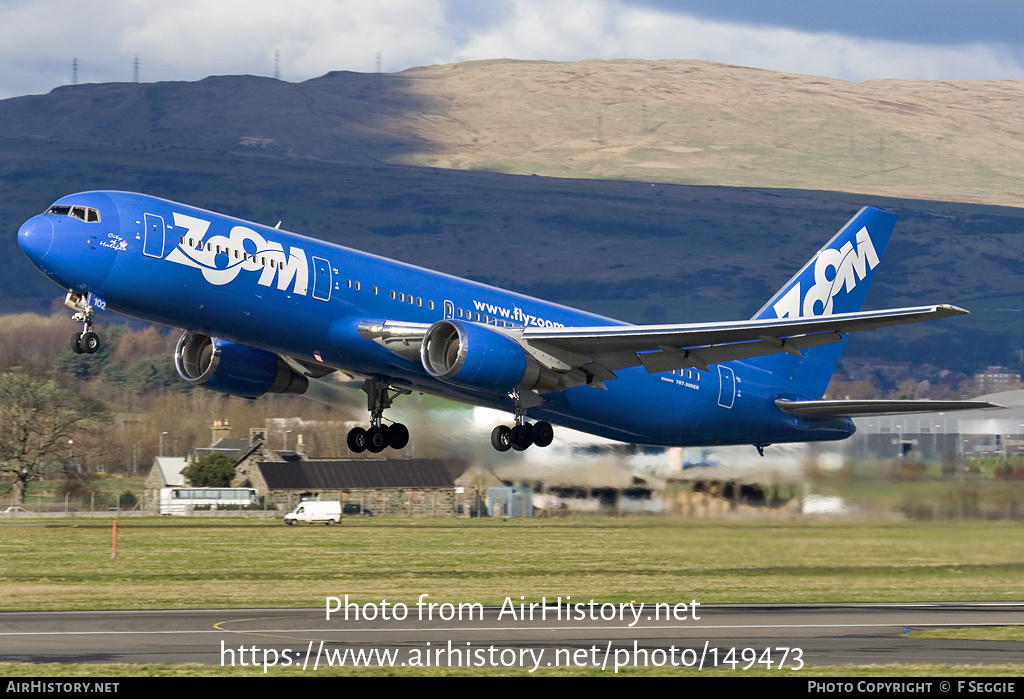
x: 300, y: 297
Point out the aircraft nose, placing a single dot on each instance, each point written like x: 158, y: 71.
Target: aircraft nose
x: 35, y: 237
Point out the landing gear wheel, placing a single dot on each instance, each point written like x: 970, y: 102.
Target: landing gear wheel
x: 543, y: 433
x: 357, y: 440
x: 328, y: 522
x: 501, y: 438
x: 398, y: 436
x: 89, y: 342
x: 74, y: 343
x: 376, y: 439
x: 521, y: 437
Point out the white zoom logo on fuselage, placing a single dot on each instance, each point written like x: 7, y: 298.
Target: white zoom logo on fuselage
x: 260, y: 255
x: 848, y: 266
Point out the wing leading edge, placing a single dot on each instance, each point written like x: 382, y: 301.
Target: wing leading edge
x: 601, y: 351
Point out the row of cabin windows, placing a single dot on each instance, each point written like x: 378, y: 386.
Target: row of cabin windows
x: 397, y: 296
x: 402, y: 297
x: 237, y: 254
x: 410, y: 299
x: 471, y: 315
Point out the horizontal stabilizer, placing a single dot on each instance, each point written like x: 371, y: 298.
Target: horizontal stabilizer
x: 822, y: 409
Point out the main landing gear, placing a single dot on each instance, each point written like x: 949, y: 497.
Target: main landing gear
x: 522, y: 435
x: 379, y: 397
x: 85, y: 342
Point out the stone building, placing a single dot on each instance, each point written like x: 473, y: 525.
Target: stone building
x: 165, y: 473
x: 386, y: 487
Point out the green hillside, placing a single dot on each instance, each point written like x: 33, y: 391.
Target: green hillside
x: 324, y: 157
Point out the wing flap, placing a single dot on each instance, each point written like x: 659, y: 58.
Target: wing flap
x: 669, y: 358
x: 823, y: 409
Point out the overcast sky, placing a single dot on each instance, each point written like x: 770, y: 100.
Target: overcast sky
x: 190, y: 39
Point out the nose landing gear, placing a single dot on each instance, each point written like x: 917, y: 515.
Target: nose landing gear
x: 85, y: 342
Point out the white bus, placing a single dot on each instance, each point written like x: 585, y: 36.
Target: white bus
x: 183, y: 501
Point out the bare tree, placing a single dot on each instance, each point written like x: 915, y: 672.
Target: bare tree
x: 37, y: 418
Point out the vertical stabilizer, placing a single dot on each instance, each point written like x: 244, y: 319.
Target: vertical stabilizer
x: 835, y: 280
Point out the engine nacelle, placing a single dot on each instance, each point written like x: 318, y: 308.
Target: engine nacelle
x: 469, y: 354
x: 238, y: 370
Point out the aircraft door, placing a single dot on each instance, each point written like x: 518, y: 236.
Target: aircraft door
x: 322, y: 279
x: 153, y: 234
x: 449, y: 310
x: 726, y: 386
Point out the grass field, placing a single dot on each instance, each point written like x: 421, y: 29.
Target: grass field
x: 67, y: 564
x: 171, y: 563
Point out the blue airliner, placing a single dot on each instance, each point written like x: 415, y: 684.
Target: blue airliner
x: 268, y: 311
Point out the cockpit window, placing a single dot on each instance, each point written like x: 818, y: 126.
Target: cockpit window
x: 83, y: 212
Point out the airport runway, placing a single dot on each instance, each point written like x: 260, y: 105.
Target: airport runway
x: 791, y: 634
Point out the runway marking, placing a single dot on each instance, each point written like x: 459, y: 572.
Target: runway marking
x: 634, y: 629
x: 260, y: 632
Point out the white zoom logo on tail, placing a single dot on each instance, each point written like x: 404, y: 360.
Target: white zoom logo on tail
x: 268, y: 257
x: 848, y: 267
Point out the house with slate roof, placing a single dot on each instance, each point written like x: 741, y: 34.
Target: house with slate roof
x: 386, y: 487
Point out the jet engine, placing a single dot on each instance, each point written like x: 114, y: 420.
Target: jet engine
x: 238, y: 370
x: 479, y: 356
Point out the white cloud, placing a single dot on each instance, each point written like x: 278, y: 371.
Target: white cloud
x: 190, y: 39
x: 313, y: 36
x: 555, y: 31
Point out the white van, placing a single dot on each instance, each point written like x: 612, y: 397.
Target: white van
x: 313, y: 511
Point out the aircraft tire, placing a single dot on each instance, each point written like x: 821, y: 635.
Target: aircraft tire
x: 398, y: 436
x: 357, y: 440
x: 376, y: 439
x: 501, y: 438
x: 543, y: 433
x: 90, y: 342
x: 521, y: 437
x: 75, y: 343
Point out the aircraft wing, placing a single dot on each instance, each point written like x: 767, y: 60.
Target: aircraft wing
x: 868, y: 408
x: 600, y: 351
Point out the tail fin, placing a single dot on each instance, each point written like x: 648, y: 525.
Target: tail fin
x: 835, y: 280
